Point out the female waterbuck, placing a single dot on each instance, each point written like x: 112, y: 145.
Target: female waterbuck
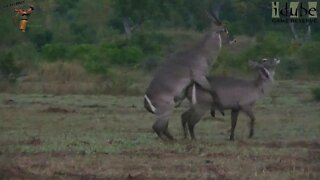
x: 234, y: 94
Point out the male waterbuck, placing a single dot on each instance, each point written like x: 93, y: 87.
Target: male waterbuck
x: 181, y: 70
x: 234, y: 94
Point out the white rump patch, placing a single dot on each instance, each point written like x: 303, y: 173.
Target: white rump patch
x: 220, y: 41
x: 194, y: 95
x: 150, y: 104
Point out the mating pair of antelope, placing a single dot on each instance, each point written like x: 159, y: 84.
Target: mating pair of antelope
x: 184, y: 74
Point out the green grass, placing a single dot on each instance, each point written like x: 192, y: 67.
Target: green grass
x: 88, y: 136
x: 316, y: 93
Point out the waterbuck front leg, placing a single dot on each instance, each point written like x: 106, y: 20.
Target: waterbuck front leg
x: 248, y: 112
x: 184, y: 120
x: 234, y: 118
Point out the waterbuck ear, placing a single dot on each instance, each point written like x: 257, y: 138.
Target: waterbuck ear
x: 253, y: 64
x: 277, y: 60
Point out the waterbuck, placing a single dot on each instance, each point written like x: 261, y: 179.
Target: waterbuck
x: 234, y: 94
x: 181, y: 70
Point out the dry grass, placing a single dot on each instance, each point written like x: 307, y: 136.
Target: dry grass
x: 110, y: 137
x: 71, y: 78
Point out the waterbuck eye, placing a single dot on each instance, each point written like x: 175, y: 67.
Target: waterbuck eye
x: 226, y: 30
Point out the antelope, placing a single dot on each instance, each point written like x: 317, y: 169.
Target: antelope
x: 180, y: 70
x: 234, y: 94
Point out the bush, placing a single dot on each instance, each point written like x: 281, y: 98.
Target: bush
x: 316, y: 93
x: 82, y: 51
x: 96, y: 65
x: 8, y: 68
x: 308, y: 54
x: 53, y: 52
x: 25, y: 52
x: 152, y: 43
x: 288, y: 68
x: 41, y: 38
x: 272, y: 44
x: 128, y: 55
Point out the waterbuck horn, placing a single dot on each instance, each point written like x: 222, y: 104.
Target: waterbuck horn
x: 213, y: 18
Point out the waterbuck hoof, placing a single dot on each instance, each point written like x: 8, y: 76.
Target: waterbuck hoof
x: 213, y: 114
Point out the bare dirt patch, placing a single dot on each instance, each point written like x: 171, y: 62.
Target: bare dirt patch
x: 58, y: 110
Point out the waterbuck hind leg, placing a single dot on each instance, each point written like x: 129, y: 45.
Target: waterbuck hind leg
x: 234, y: 118
x: 216, y: 102
x: 213, y: 112
x: 195, y: 116
x: 161, y: 124
x: 185, y: 117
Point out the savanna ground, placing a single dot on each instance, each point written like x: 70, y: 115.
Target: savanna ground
x: 110, y: 137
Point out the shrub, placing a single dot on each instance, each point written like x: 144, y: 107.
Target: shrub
x: 308, y: 55
x: 96, y: 65
x: 132, y: 55
x: 53, y: 52
x: 288, y: 67
x: 41, y: 38
x: 127, y: 55
x: 25, y: 52
x: 271, y: 44
x: 316, y: 93
x: 152, y: 43
x: 8, y: 68
x: 82, y: 51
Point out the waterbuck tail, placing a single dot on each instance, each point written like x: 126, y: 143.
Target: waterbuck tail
x: 194, y: 95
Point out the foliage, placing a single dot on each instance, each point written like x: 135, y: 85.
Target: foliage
x: 309, y: 55
x: 54, y: 52
x: 8, y: 68
x: 41, y: 38
x: 316, y: 93
x: 93, y: 34
x: 126, y: 55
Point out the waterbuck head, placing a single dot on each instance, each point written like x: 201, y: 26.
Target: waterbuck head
x: 266, y: 67
x: 220, y: 28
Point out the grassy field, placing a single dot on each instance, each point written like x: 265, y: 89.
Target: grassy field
x: 110, y: 137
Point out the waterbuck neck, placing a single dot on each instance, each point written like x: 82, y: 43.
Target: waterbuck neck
x: 261, y: 84
x: 210, y: 46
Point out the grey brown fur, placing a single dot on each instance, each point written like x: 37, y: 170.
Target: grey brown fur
x: 234, y: 94
x: 179, y: 71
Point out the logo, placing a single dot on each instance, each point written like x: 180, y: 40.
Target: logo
x: 294, y: 12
